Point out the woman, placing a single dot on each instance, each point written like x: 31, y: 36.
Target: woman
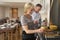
x: 27, y: 23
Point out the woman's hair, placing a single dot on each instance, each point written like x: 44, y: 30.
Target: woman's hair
x: 27, y: 6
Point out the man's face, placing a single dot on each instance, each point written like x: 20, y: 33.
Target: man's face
x: 37, y: 8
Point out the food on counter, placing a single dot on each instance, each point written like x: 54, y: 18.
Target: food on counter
x: 53, y: 27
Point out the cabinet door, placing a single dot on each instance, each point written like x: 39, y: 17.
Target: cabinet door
x: 14, y: 12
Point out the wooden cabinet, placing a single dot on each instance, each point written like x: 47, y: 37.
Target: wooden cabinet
x: 14, y: 12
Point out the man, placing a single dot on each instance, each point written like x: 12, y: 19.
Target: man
x: 36, y: 15
x: 37, y: 20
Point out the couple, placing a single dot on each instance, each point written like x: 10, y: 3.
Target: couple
x: 30, y: 21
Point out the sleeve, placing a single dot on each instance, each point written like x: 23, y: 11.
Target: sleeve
x: 33, y: 16
x: 23, y: 21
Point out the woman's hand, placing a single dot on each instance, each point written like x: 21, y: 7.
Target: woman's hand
x: 41, y: 30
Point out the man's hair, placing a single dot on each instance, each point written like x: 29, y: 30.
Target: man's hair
x: 39, y: 5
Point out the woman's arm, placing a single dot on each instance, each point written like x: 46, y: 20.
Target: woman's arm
x: 25, y: 28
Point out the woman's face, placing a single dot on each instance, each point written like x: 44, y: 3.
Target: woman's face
x: 30, y: 10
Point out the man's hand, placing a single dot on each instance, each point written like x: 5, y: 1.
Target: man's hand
x: 35, y: 22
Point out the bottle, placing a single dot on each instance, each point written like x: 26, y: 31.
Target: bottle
x: 44, y: 23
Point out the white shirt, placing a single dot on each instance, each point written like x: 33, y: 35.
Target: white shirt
x: 36, y: 16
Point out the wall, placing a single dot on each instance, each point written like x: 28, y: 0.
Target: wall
x: 14, y: 0
x: 7, y: 12
x: 35, y: 1
x: 2, y: 14
x: 20, y: 11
